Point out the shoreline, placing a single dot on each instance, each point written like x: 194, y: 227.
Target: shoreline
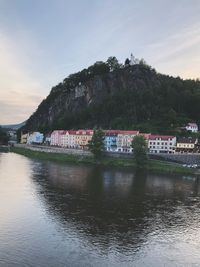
x: 153, y: 166
x: 4, y: 148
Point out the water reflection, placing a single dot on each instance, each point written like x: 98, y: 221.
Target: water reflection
x: 67, y: 215
x: 114, y: 207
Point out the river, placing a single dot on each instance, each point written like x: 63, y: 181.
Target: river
x: 65, y: 215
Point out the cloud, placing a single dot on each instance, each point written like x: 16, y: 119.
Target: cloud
x: 20, y: 93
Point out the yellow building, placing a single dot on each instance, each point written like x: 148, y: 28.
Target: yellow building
x: 24, y: 138
x: 82, y: 138
x: 187, y: 145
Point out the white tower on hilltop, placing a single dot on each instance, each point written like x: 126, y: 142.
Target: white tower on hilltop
x: 132, y: 62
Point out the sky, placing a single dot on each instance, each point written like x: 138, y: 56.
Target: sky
x: 43, y: 41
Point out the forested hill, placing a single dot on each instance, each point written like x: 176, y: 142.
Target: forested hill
x: 108, y: 95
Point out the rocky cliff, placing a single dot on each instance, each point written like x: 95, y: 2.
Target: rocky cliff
x: 129, y: 97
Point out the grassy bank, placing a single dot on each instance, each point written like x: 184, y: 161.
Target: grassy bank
x: 154, y: 166
x: 3, y: 149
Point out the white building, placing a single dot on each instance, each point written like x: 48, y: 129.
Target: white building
x: 124, y: 140
x: 162, y: 144
x: 192, y: 127
x: 35, y: 138
x: 68, y: 139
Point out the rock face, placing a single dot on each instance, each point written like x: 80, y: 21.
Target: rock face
x: 62, y: 101
x: 96, y: 102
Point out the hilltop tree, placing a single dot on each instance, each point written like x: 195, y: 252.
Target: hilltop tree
x: 113, y: 63
x: 140, y: 149
x: 127, y: 62
x: 96, y: 144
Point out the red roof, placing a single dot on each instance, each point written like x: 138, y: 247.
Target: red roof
x: 192, y: 124
x: 129, y: 132
x: 145, y: 135
x: 72, y: 132
x: 116, y: 132
x: 59, y: 132
x: 111, y: 132
x: 162, y: 137
x: 88, y: 132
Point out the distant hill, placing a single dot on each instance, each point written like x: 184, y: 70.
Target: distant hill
x: 13, y: 126
x: 129, y: 97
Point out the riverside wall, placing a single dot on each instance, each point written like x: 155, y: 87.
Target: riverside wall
x: 59, y: 150
x: 178, y: 158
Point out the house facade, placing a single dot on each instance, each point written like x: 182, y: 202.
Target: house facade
x: 83, y: 137
x: 187, y: 145
x: 124, y: 140
x: 56, y: 137
x: 162, y: 144
x: 110, y: 140
x: 35, y: 138
x: 24, y: 138
x: 192, y: 127
x: 68, y: 139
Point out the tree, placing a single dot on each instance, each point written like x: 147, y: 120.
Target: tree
x: 140, y: 149
x: 3, y: 137
x: 96, y: 144
x: 127, y: 62
x: 113, y: 63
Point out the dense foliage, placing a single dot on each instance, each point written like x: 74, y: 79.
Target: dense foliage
x: 96, y: 144
x: 3, y: 137
x: 147, y: 101
x: 140, y: 149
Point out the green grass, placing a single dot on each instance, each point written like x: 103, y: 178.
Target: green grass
x: 3, y: 149
x: 153, y: 166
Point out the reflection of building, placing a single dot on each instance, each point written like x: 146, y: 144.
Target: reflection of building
x: 187, y: 144
x: 162, y: 144
x: 192, y: 127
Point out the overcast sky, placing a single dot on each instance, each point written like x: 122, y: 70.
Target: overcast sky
x: 43, y: 41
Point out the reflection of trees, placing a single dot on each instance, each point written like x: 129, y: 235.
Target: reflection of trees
x: 109, y: 206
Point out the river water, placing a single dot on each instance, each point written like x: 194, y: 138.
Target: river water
x: 65, y: 215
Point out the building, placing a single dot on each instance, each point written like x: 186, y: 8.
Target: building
x: 162, y: 144
x: 56, y: 137
x: 187, y: 145
x: 23, y: 139
x: 82, y: 138
x: 35, y: 138
x: 68, y: 139
x: 192, y: 127
x: 110, y: 140
x: 124, y: 140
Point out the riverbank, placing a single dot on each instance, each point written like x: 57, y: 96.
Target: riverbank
x: 4, y: 148
x: 153, y: 166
